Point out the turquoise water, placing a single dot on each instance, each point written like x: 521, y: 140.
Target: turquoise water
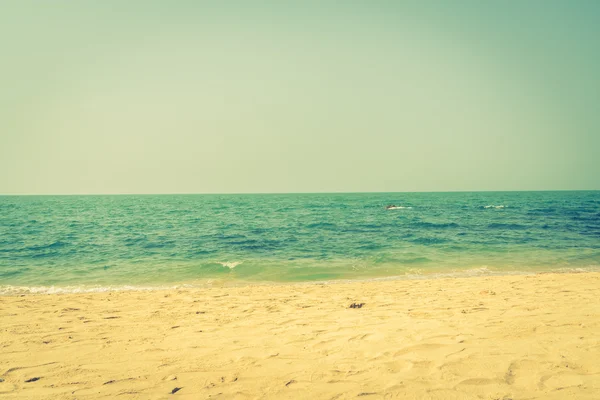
x: 53, y: 243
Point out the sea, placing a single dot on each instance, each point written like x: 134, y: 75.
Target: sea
x: 61, y: 244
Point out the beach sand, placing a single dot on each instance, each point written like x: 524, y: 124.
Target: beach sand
x: 507, y: 337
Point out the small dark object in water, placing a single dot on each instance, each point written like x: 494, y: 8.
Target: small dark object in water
x: 390, y: 206
x: 357, y: 305
x: 37, y: 378
x: 177, y: 389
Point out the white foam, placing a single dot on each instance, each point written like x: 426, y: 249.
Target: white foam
x: 493, y: 206
x: 230, y: 265
x: 412, y: 274
x: 15, y: 290
x: 398, y: 208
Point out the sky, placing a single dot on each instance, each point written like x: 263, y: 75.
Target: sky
x: 305, y: 96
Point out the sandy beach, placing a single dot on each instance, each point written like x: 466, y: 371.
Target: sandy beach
x: 508, y: 337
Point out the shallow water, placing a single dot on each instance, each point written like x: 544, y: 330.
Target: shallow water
x: 56, y: 243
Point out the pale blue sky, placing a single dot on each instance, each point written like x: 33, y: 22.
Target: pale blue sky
x: 221, y: 97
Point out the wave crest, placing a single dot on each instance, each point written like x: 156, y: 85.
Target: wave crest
x: 230, y: 265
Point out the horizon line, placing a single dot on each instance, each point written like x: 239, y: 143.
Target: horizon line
x: 290, y: 193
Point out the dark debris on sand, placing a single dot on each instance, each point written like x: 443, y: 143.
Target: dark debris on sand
x: 356, y: 305
x: 177, y: 389
x: 37, y: 378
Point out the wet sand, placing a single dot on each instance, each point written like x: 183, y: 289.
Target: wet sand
x: 509, y: 337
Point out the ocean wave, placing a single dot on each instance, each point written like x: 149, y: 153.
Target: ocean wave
x: 542, y: 211
x: 478, y: 271
x: 424, y: 274
x: 12, y: 272
x: 159, y: 245
x: 433, y: 225
x: 429, y: 240
x: 496, y: 207
x: 402, y: 260
x: 506, y: 226
x: 322, y: 225
x: 410, y: 274
x: 10, y: 290
x: 260, y: 246
x: 54, y: 245
x: 230, y: 265
x: 484, y: 270
x: 575, y: 270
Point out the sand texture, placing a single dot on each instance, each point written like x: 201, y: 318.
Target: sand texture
x: 510, y: 337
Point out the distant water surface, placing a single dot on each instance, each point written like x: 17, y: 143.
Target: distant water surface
x: 71, y: 243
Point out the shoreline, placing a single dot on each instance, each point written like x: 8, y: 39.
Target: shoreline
x: 483, y: 272
x: 500, y: 337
